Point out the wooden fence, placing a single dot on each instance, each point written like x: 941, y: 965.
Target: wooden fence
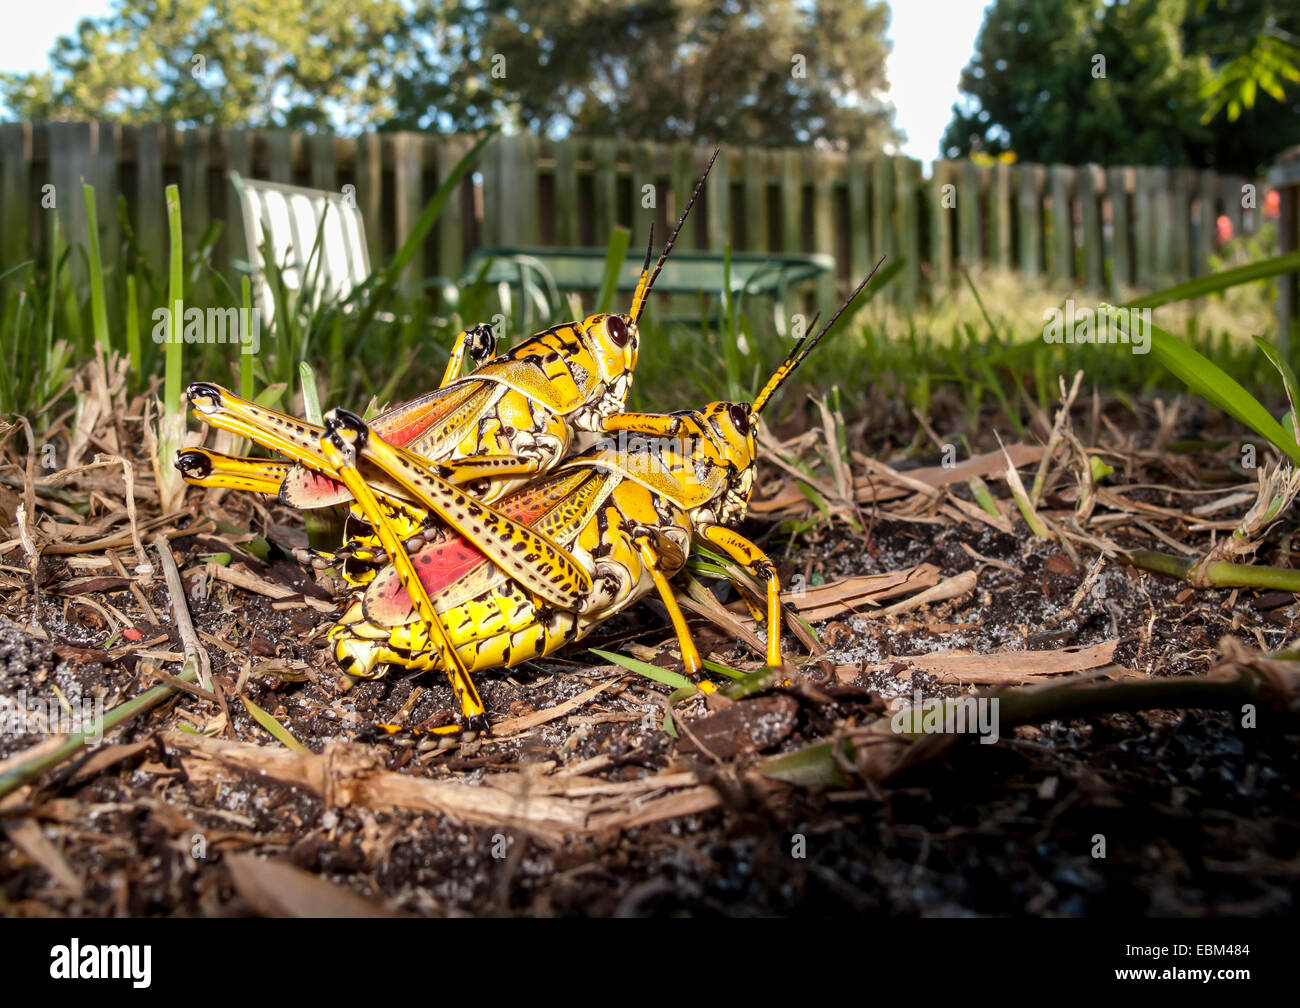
x: 1090, y: 228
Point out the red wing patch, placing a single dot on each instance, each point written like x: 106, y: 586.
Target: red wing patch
x: 443, y: 563
x: 303, y: 488
x: 403, y: 424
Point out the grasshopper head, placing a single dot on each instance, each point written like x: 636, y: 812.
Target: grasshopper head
x: 734, y: 430
x: 613, y: 340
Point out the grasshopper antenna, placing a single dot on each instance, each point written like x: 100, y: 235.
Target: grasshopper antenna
x: 647, y: 282
x: 805, y: 345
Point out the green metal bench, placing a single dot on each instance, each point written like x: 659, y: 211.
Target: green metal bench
x: 542, y: 275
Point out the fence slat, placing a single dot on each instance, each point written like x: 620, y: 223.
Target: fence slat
x: 1114, y: 228
x: 1119, y: 180
x: 194, y: 186
x: 566, y: 193
x: 451, y: 222
x: 1094, y: 255
x: 909, y: 238
x: 15, y: 193
x: 368, y: 169
x: 1207, y: 198
x: 1000, y: 216
x: 717, y: 200
x: 1184, y: 186
x: 106, y: 190
x: 604, y: 166
x: 882, y: 214
x: 1062, y: 219
x: 1030, y: 210
x: 150, y: 206
x: 324, y: 171
x: 683, y: 184
x: 1144, y: 229
x: 968, y: 216
x: 1162, y: 200
x: 279, y: 145
x: 239, y: 156
x: 823, y: 218
x: 859, y: 222
x: 408, y: 198
x: 71, y: 163
x: 792, y: 216
x: 644, y: 173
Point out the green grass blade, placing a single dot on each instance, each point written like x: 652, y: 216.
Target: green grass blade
x: 659, y: 675
x: 1221, y: 281
x: 277, y: 730
x: 175, y: 303
x: 98, y: 306
x: 1211, y: 383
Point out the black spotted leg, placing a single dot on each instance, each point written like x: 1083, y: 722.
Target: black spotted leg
x: 339, y: 448
x: 746, y: 554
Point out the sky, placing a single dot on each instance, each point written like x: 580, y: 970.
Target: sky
x: 933, y: 40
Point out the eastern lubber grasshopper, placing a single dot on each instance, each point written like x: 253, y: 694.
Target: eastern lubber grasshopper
x: 547, y: 563
x: 512, y: 419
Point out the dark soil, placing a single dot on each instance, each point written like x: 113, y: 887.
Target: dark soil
x: 1183, y: 814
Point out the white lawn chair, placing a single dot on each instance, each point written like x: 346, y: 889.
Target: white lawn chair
x: 316, y: 236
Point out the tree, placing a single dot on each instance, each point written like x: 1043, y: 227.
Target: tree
x: 777, y: 72
x: 1114, y: 82
x: 234, y: 63
x: 740, y: 71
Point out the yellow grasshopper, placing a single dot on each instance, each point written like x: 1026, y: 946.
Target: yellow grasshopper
x: 513, y: 418
x: 544, y: 565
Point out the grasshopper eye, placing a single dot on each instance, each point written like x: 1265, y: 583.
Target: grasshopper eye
x: 617, y: 329
x: 740, y: 417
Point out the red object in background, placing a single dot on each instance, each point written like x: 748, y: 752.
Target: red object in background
x: 1224, y: 228
x: 1273, y: 204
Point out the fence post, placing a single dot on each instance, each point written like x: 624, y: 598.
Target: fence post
x: 909, y: 237
x: 757, y: 224
x: 604, y: 183
x: 1090, y: 209
x: 941, y: 208
x: 70, y: 162
x: 882, y: 214
x: 1062, y: 223
x: 195, y: 216
x: 16, y: 193
x: 451, y: 222
x: 1118, y: 182
x: 1030, y: 209
x: 566, y: 193
x: 717, y: 203
x: 823, y: 220
x: 407, y: 200
x: 1207, y: 221
x: 1000, y: 215
x: 969, y: 225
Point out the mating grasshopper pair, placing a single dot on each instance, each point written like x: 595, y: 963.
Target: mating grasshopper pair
x: 486, y: 542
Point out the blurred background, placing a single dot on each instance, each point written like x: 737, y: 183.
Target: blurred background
x: 1015, y: 153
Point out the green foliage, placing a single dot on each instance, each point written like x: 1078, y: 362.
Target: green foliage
x: 773, y: 72
x: 252, y: 63
x: 664, y: 70
x: 1034, y: 84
